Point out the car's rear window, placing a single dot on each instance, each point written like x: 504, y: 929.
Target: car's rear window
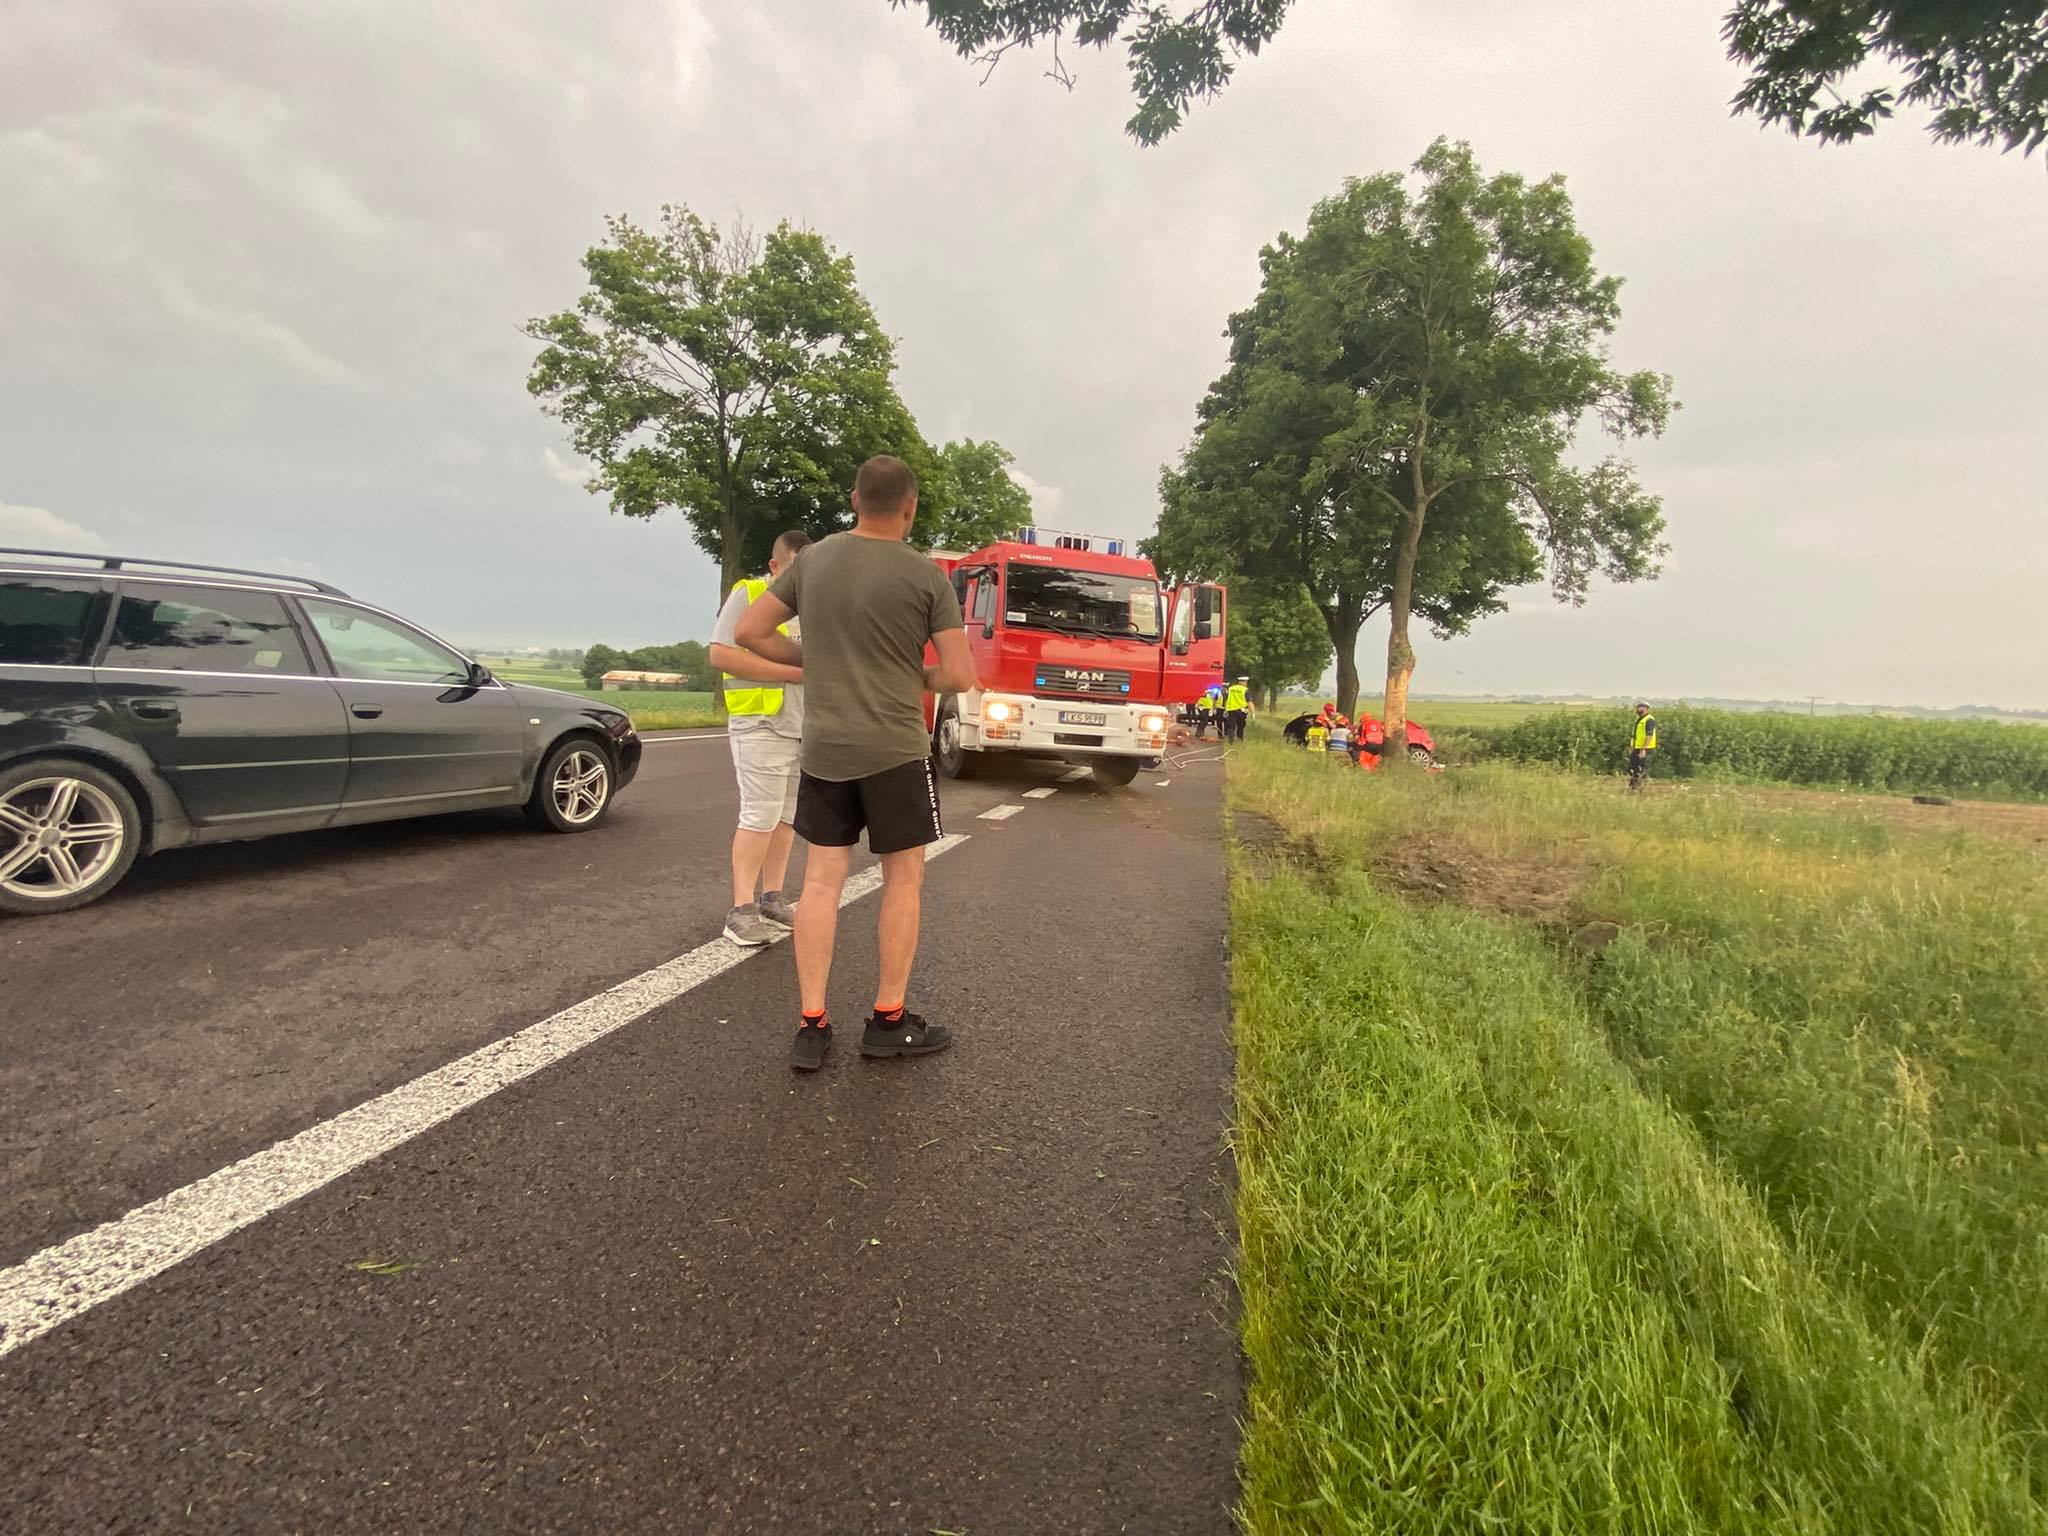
x: 44, y: 620
x: 202, y: 629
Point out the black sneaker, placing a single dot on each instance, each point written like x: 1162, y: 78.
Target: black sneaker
x: 808, y: 1053
x: 909, y: 1035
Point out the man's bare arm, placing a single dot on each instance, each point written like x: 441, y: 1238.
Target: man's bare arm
x: 756, y: 631
x: 955, y: 671
x: 735, y: 662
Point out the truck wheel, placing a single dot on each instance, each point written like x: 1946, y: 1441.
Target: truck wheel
x: 1115, y: 771
x: 949, y: 754
x: 69, y: 833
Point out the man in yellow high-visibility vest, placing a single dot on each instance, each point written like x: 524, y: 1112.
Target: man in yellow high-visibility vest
x: 1236, y: 707
x: 764, y: 705
x: 1642, y: 741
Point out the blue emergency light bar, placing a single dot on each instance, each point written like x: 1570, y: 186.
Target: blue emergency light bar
x: 1087, y: 543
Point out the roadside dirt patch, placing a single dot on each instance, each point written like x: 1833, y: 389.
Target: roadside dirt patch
x: 1268, y: 846
x: 1542, y: 891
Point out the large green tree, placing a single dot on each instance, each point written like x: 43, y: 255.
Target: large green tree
x: 1399, y: 421
x: 969, y: 498
x: 1979, y: 66
x: 737, y: 379
x: 1258, y: 497
x: 1276, y: 637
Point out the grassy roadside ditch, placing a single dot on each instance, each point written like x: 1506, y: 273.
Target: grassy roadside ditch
x: 1611, y: 1166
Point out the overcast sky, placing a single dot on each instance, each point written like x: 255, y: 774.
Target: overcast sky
x: 263, y: 269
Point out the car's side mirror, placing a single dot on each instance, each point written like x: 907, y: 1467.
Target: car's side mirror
x: 479, y: 675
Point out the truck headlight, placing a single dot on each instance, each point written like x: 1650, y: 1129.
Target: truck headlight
x: 1152, y: 724
x: 999, y: 709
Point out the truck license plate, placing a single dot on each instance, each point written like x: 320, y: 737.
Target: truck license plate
x: 1083, y: 717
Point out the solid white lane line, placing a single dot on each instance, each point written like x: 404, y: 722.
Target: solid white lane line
x: 660, y: 741
x: 1076, y: 775
x: 75, y: 1276
x: 1040, y: 793
x: 1000, y: 812
x: 1162, y: 783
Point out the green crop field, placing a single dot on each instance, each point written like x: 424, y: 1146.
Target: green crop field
x: 652, y: 709
x: 1666, y: 1165
x: 1982, y: 758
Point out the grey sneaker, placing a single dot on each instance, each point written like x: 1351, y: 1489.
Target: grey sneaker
x: 778, y: 910
x: 747, y: 927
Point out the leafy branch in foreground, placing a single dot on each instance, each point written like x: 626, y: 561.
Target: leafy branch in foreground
x: 1981, y: 66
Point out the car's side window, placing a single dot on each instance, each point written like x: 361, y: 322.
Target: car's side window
x: 374, y: 649
x: 45, y: 620
x: 167, y: 628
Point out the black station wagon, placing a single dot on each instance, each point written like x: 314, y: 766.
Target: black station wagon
x: 147, y: 705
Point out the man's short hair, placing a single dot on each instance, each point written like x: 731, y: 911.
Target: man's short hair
x: 788, y: 544
x: 884, y: 484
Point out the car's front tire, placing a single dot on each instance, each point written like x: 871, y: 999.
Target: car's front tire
x: 69, y: 833
x: 573, y: 790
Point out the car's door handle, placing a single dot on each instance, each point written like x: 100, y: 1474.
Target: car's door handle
x: 152, y: 709
x: 366, y: 711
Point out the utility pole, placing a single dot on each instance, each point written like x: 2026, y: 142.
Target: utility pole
x: 1812, y: 700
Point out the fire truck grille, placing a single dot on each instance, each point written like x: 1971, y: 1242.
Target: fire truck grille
x: 1083, y: 681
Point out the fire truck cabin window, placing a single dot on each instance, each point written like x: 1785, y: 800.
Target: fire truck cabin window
x: 1083, y: 602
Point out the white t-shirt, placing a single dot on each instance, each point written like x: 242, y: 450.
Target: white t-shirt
x: 787, y: 721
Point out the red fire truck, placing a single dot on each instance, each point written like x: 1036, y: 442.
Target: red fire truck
x: 1079, y: 653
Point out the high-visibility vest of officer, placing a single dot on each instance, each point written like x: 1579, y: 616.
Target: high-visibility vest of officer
x: 1235, y: 698
x: 744, y: 697
x: 1643, y: 738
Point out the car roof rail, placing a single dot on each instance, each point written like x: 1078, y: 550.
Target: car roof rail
x: 126, y: 562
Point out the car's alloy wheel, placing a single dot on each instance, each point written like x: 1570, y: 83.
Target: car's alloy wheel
x: 581, y: 786
x: 59, y: 837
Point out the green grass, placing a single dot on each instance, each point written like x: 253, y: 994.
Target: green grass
x: 652, y: 709
x: 1737, y: 1227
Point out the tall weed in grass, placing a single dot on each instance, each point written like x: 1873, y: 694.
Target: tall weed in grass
x: 1958, y: 757
x: 1851, y: 1017
x: 1490, y: 1285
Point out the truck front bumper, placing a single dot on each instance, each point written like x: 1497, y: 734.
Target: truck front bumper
x: 1008, y: 722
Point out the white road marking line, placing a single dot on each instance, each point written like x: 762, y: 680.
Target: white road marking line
x: 1162, y: 783
x: 71, y: 1278
x: 658, y: 741
x: 1077, y: 775
x: 1041, y: 793
x: 1000, y: 812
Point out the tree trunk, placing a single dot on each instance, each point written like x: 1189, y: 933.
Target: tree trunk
x: 1343, y: 619
x: 1400, y: 654
x: 731, y: 539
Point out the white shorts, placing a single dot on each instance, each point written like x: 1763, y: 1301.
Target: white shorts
x: 765, y: 763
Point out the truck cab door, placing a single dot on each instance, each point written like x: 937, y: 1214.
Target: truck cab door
x: 1195, y: 635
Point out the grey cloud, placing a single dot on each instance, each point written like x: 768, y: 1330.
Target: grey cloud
x: 265, y: 268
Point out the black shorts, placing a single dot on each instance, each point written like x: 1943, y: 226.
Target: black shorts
x: 898, y: 808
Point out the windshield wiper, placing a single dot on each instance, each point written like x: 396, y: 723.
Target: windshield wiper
x: 1078, y: 628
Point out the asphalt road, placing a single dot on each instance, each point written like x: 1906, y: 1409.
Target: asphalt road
x: 663, y: 1285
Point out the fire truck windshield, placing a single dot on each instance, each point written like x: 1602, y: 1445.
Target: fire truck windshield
x: 1082, y: 602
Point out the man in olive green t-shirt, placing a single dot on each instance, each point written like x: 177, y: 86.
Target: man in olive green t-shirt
x: 869, y: 603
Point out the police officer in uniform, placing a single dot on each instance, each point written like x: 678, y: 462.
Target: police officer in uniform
x: 1236, y: 706
x: 1642, y: 741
